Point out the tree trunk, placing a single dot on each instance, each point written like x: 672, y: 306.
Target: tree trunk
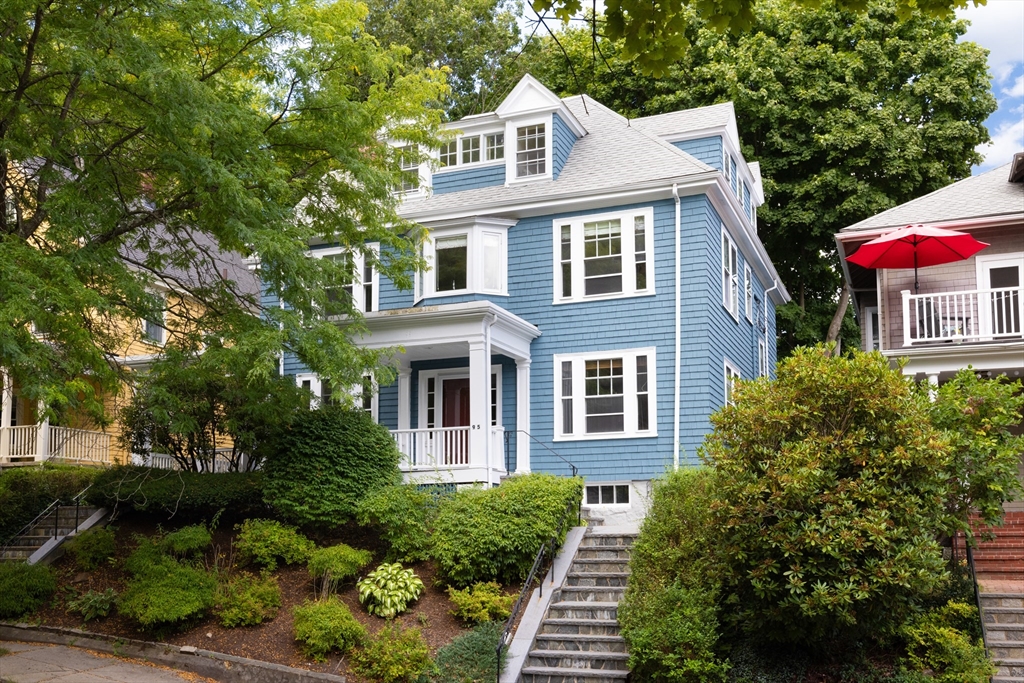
x: 837, y: 320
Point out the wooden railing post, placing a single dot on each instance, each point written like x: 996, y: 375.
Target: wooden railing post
x: 905, y: 294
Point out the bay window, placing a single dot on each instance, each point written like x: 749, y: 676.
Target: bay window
x: 605, y: 394
x: 465, y: 260
x: 604, y: 256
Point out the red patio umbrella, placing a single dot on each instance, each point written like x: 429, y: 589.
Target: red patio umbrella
x: 914, y: 246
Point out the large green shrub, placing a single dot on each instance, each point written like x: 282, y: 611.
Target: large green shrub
x: 24, y: 588
x: 327, y: 625
x: 394, y: 655
x: 494, y: 534
x: 828, y: 495
x: 470, y: 658
x: 404, y: 515
x: 26, y: 491
x: 326, y: 463
x: 265, y: 541
x: 978, y: 416
x: 91, y: 548
x: 669, y: 614
x: 331, y: 566
x: 189, y: 495
x: 247, y: 600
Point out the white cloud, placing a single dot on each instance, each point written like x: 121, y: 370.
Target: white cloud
x: 1007, y: 140
x: 1017, y: 89
x: 997, y: 27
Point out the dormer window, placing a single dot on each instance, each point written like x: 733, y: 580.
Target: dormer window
x: 495, y: 146
x: 531, y: 149
x: 449, y: 156
x: 471, y: 150
x: 409, y: 162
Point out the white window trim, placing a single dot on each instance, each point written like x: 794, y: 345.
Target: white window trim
x: 733, y: 285
x: 869, y: 329
x: 628, y: 391
x: 606, y: 506
x: 762, y: 358
x: 512, y: 143
x: 426, y: 283
x: 316, y: 386
x: 730, y: 375
x: 748, y: 292
x: 452, y: 373
x: 162, y: 324
x: 484, y: 161
x: 422, y: 169
x: 358, y: 263
x: 628, y: 255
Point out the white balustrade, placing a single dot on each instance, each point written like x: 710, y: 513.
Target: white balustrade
x: 79, y: 445
x: 426, y: 449
x: 964, y: 316
x: 23, y: 440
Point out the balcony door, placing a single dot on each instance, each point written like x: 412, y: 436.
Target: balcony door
x: 455, y: 413
x: 1000, y: 309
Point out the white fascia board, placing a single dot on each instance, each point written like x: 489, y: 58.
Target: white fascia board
x: 954, y: 357
x: 469, y: 125
x: 530, y: 97
x: 961, y: 224
x: 481, y: 221
x: 731, y: 213
x: 758, y: 188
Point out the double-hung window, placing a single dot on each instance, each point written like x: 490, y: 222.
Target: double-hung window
x: 748, y: 285
x: 154, y: 331
x: 604, y: 256
x: 470, y: 149
x: 731, y: 375
x: 409, y: 163
x: 730, y: 278
x: 605, y: 394
x: 495, y: 146
x: 359, y: 280
x: 449, y: 155
x: 531, y: 151
x: 363, y: 396
x: 463, y: 260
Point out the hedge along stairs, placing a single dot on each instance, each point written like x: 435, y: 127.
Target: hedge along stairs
x: 38, y: 542
x: 579, y: 639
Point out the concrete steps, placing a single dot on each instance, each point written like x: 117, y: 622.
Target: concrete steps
x: 1003, y: 619
x: 579, y: 640
x: 39, y: 534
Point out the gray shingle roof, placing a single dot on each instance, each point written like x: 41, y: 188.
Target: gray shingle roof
x: 613, y: 154
x: 980, y: 196
x: 687, y: 120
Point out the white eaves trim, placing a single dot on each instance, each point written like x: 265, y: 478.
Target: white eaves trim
x: 530, y: 97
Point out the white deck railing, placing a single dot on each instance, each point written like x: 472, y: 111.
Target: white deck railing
x: 50, y: 442
x: 162, y: 461
x: 966, y: 316
x: 427, y: 449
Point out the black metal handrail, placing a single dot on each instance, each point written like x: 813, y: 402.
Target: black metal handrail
x: 546, y: 549
x: 575, y: 470
x: 977, y: 593
x: 53, y: 507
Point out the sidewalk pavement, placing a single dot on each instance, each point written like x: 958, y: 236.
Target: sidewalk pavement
x: 41, y: 663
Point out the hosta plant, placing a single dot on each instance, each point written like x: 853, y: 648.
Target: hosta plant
x: 388, y: 590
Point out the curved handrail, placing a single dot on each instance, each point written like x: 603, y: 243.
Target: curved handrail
x: 546, y: 548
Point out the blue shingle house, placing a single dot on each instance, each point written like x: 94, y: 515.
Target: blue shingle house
x: 595, y: 283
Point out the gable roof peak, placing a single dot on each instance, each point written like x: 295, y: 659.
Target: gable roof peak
x: 530, y: 96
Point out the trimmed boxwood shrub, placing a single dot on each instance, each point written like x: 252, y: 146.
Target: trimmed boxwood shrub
x: 24, y: 588
x: 328, y: 461
x: 247, y: 600
x: 327, y: 625
x: 189, y: 495
x: 26, y: 491
x: 265, y: 541
x: 187, y: 541
x: 494, y: 534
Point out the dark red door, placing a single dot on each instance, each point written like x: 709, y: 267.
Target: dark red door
x: 455, y: 413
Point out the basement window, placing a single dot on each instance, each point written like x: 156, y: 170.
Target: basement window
x: 608, y: 494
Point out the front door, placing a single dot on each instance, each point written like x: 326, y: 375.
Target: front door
x: 455, y: 413
x: 1001, y: 316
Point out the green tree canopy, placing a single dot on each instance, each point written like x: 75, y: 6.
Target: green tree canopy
x: 140, y: 141
x: 849, y: 113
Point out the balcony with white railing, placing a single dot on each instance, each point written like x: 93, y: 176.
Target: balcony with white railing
x: 446, y: 448
x: 42, y: 442
x: 980, y: 315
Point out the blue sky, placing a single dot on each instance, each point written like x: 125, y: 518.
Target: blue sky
x: 999, y: 27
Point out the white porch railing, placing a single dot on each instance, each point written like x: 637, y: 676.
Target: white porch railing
x: 162, y: 461
x: 966, y: 316
x: 444, y: 448
x: 49, y: 442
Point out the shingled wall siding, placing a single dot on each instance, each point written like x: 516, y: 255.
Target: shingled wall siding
x: 562, y: 140
x: 708, y: 150
x: 468, y: 179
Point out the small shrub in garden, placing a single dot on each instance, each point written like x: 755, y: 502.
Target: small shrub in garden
x: 187, y: 541
x: 92, y: 605
x: 404, y: 514
x: 937, y: 642
x: 470, y: 658
x: 146, y: 555
x: 247, y: 600
x: 327, y: 625
x: 328, y: 461
x: 24, y: 588
x: 165, y: 593
x: 388, y: 590
x: 394, y: 655
x: 331, y: 566
x: 481, y: 602
x: 264, y: 542
x: 91, y: 548
x: 494, y: 534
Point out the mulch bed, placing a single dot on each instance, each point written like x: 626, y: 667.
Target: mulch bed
x: 271, y: 641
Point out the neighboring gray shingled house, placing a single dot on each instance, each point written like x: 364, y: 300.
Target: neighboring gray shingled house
x: 596, y: 283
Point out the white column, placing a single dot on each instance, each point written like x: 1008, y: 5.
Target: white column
x: 522, y: 416
x: 7, y: 400
x: 933, y: 387
x: 479, y: 404
x: 43, y: 435
x: 404, y: 397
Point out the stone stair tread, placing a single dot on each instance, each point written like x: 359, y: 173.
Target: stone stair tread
x: 562, y: 621
x: 615, y: 574
x: 1003, y: 610
x: 609, y: 674
x: 1001, y: 595
x: 571, y: 604
x: 580, y: 654
x: 578, y: 636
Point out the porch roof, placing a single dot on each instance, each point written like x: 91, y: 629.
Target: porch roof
x: 444, y: 330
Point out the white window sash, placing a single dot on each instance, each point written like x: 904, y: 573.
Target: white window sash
x: 629, y: 393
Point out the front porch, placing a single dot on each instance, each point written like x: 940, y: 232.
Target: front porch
x: 36, y: 443
x: 977, y: 315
